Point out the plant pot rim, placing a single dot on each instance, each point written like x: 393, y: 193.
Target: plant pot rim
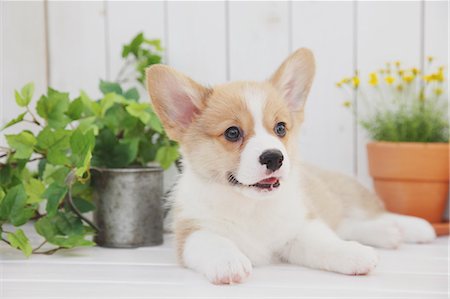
x: 151, y: 168
x: 409, y: 144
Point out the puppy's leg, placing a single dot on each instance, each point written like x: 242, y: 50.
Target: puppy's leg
x: 317, y: 246
x: 386, y: 230
x: 378, y: 232
x: 216, y: 257
x: 413, y: 229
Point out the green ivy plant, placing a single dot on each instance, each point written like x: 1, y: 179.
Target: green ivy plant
x: 73, y: 136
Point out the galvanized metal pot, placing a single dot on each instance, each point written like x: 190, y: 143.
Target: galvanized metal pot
x: 128, y: 206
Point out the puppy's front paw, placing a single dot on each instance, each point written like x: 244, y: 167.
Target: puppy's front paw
x: 228, y: 268
x: 354, y: 259
x: 416, y: 230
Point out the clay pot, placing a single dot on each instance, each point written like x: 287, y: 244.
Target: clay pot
x: 411, y: 178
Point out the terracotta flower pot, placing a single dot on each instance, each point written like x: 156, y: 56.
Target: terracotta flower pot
x: 412, y: 178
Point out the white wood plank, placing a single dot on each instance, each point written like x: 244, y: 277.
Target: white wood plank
x: 387, y: 32
x: 413, y: 271
x: 258, y: 38
x: 327, y: 134
x: 23, y: 56
x: 77, y: 46
x: 287, y: 276
x: 96, y: 289
x: 196, y: 40
x: 436, y: 30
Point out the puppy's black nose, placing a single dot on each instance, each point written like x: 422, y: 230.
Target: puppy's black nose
x: 273, y: 159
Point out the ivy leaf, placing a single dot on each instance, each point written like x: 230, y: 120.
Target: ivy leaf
x: 63, y: 229
x: 54, y: 194
x: 24, y: 97
x: 114, y: 153
x: 91, y: 107
x: 34, y: 189
x: 87, y: 124
x: 55, y: 173
x: 53, y: 108
x: 110, y: 87
x: 20, y: 241
x: 14, y: 121
x: 166, y: 155
x: 155, y: 123
x: 22, y: 143
x: 56, y: 144
x: 5, y: 175
x: 132, y: 94
x: 76, y: 109
x: 109, y: 100
x: 82, y: 145
x: 140, y: 110
x: 155, y: 43
x: 83, y: 205
x: 13, y: 207
x: 2, y: 195
x: 27, y: 93
x: 133, y: 47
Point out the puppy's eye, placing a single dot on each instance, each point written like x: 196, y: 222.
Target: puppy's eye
x: 232, y: 134
x: 280, y: 129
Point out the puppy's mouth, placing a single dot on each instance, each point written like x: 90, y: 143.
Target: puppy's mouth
x: 267, y: 184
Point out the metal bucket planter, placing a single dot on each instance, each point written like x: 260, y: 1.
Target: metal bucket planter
x: 128, y: 206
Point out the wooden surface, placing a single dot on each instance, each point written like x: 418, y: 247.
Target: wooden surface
x: 413, y: 271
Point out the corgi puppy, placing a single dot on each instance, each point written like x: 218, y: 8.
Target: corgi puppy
x: 244, y: 199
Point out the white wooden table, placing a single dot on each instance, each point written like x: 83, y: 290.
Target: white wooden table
x: 413, y: 271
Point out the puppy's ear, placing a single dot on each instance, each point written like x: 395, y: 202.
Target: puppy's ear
x: 294, y: 78
x: 176, y: 98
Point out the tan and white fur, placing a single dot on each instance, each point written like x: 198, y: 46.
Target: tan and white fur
x: 231, y: 212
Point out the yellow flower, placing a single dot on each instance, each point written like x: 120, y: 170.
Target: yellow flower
x: 345, y: 80
x: 381, y: 71
x: 438, y: 91
x: 389, y: 80
x: 430, y: 59
x: 373, y: 79
x: 401, y: 72
x: 399, y: 87
x: 397, y: 63
x: 439, y: 76
x: 429, y: 78
x: 408, y: 78
x: 415, y: 71
x: 355, y: 81
x: 339, y: 84
x: 347, y: 104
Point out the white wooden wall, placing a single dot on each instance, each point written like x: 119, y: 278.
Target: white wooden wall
x: 71, y: 45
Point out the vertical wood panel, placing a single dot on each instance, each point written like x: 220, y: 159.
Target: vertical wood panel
x: 387, y: 31
x: 327, y: 134
x: 23, y: 55
x: 125, y: 20
x: 436, y: 40
x: 258, y: 37
x: 77, y: 46
x: 436, y: 30
x: 196, y: 46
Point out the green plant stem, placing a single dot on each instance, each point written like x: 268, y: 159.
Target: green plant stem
x: 39, y: 247
x: 6, y: 241
x: 123, y: 69
x: 36, y: 159
x: 33, y: 117
x: 48, y: 252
